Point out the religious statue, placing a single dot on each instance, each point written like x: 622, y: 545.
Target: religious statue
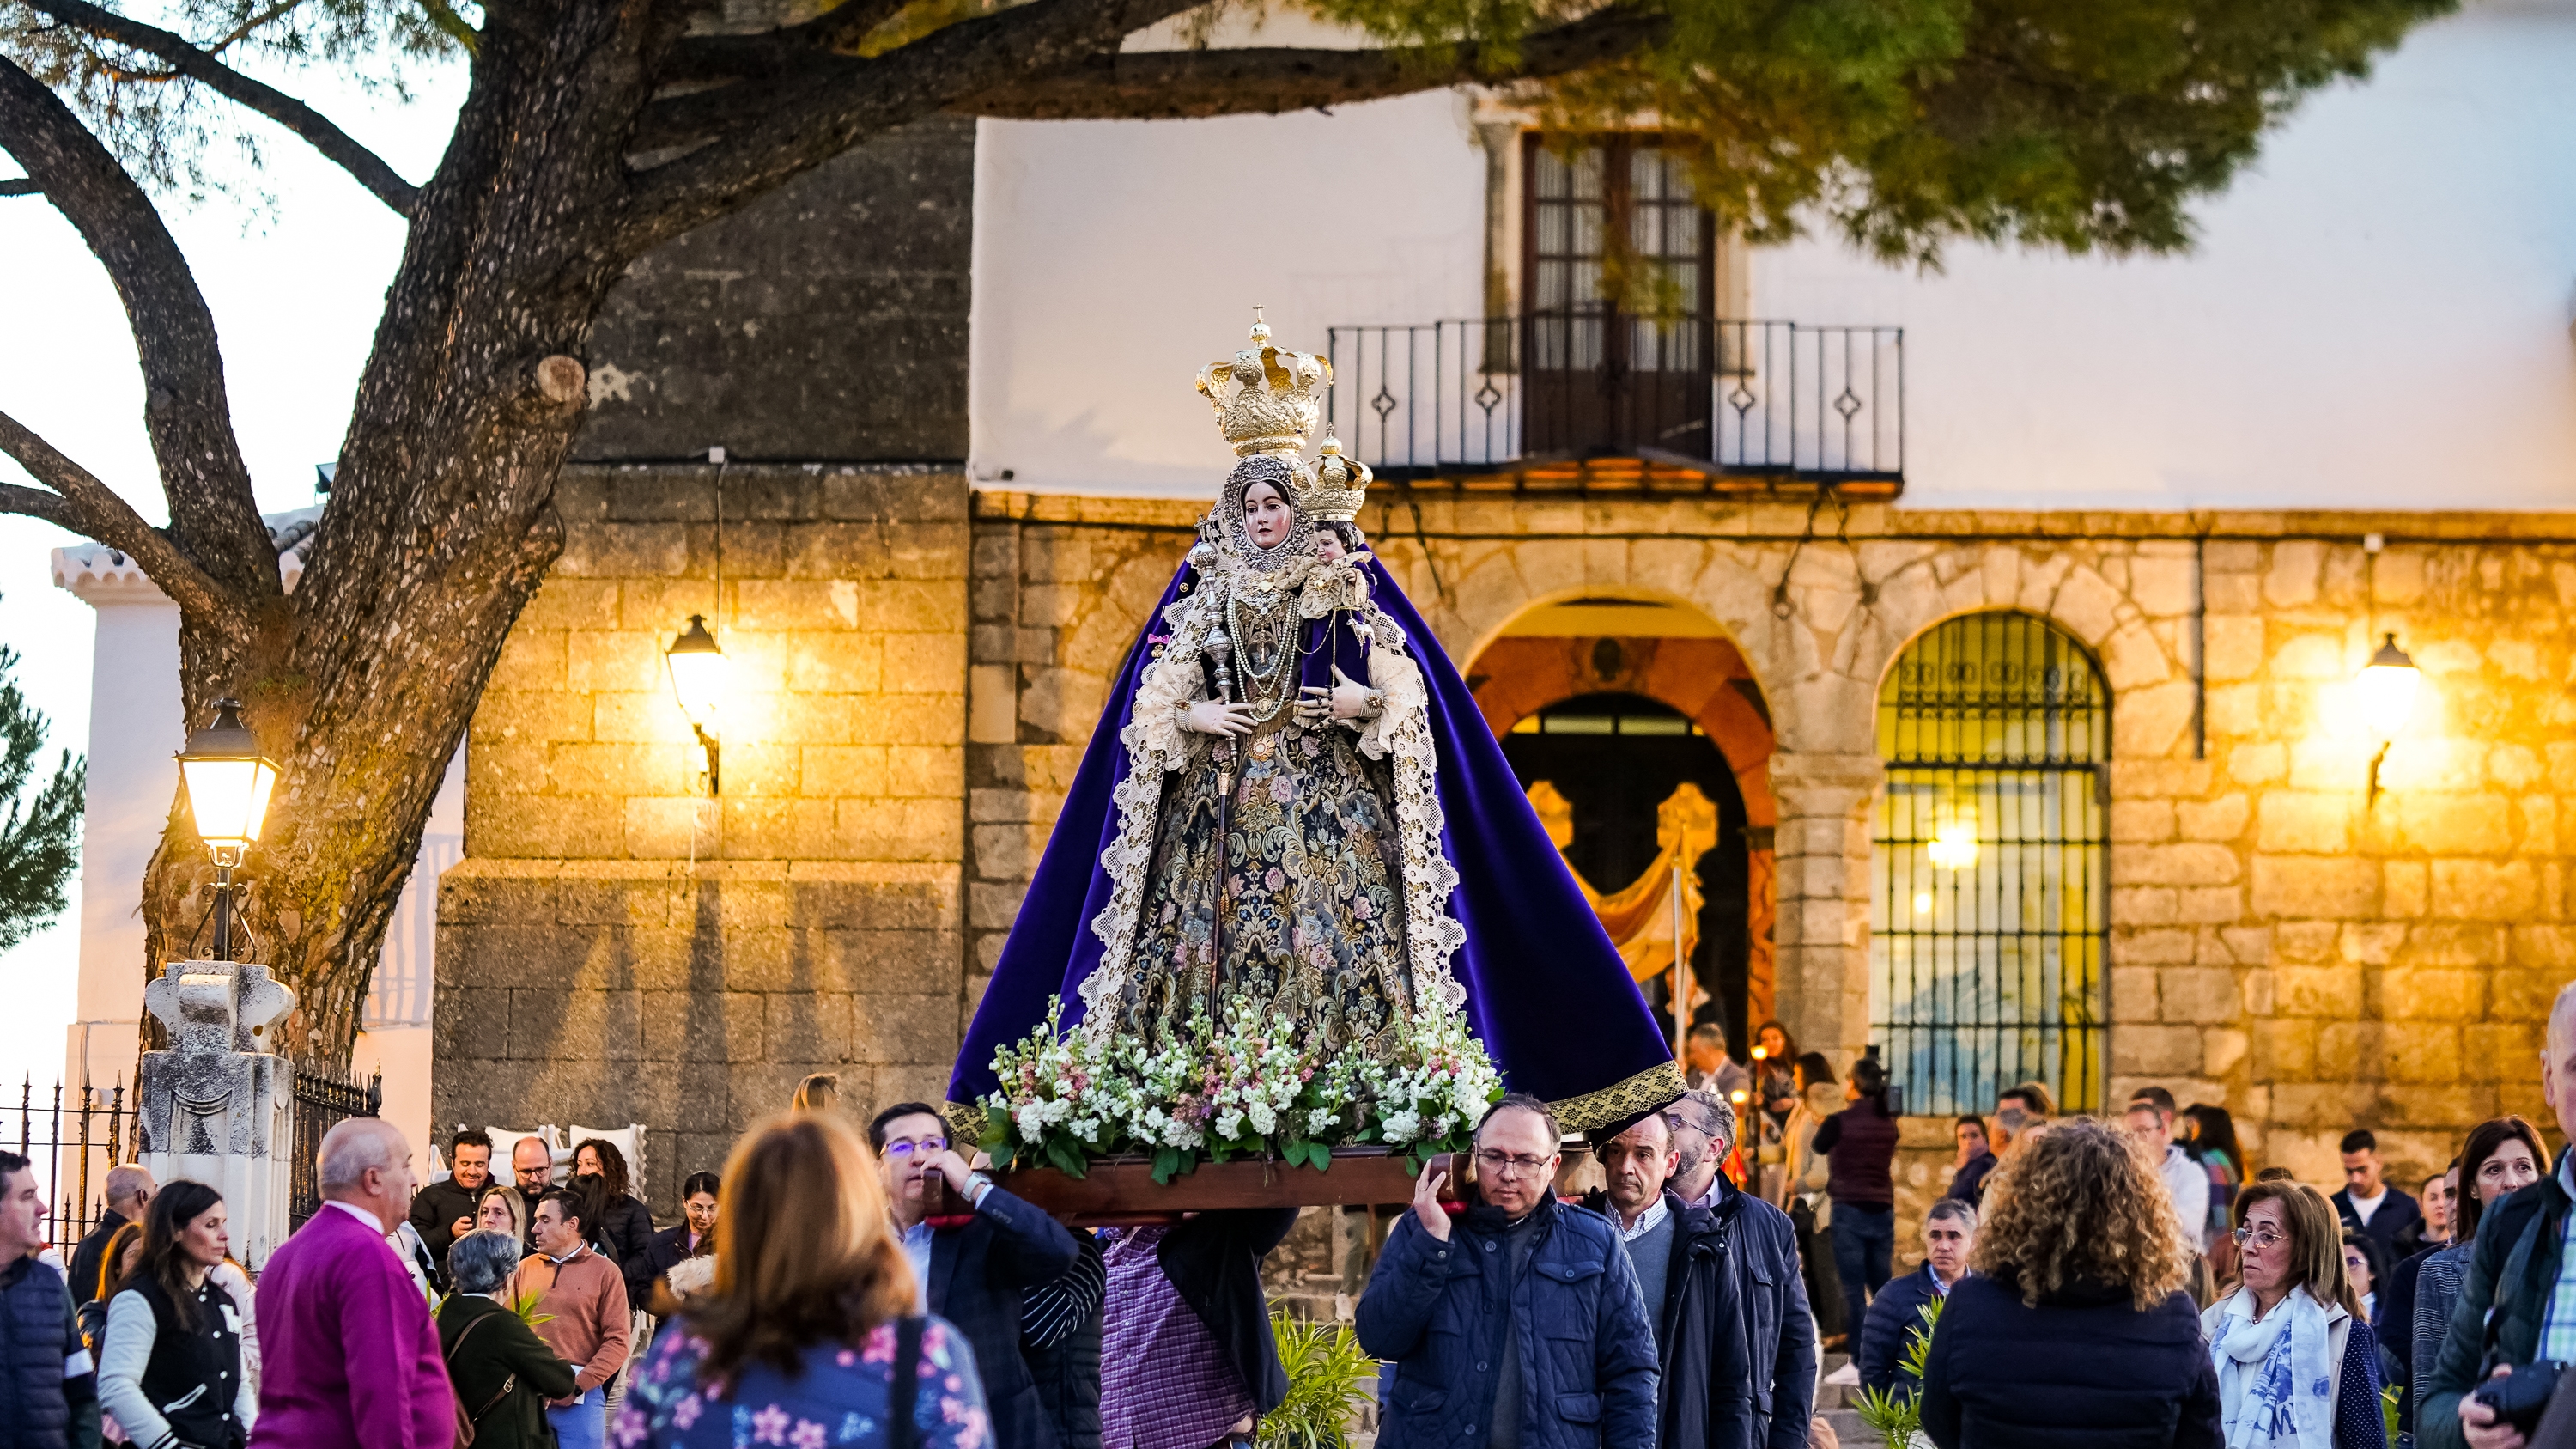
x: 1293, y: 819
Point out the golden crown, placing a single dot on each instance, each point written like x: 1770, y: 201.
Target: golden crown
x: 1340, y: 486
x: 1264, y: 396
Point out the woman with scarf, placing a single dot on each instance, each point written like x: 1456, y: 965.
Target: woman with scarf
x: 2298, y: 1366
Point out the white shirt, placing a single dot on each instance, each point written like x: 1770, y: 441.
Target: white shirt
x: 375, y: 1225
x: 1655, y: 1213
x: 916, y: 1247
x: 2187, y: 1183
x: 2363, y: 1207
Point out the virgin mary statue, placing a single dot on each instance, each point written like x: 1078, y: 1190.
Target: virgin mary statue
x: 1293, y: 800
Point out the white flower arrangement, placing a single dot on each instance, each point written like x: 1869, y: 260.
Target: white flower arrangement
x: 1251, y: 1084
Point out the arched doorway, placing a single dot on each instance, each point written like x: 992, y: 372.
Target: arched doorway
x: 1618, y: 704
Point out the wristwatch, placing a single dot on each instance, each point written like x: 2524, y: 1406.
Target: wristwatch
x: 977, y: 1185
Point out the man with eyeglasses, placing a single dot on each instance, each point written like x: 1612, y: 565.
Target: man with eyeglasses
x: 973, y: 1275
x: 1703, y: 1128
x: 1735, y: 1340
x: 1519, y: 1326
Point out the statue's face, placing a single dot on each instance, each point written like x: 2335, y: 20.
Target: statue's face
x: 1266, y: 515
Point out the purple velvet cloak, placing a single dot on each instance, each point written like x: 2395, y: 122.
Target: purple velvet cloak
x: 1546, y: 991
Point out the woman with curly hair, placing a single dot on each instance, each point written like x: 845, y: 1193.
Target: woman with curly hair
x: 2298, y: 1366
x: 2073, y: 1327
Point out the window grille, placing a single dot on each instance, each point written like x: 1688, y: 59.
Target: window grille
x: 1990, y: 907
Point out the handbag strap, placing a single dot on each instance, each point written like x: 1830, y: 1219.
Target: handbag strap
x: 905, y: 1390
x: 507, y: 1384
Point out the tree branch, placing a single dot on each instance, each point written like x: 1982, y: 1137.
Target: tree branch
x: 772, y: 52
x: 37, y: 503
x: 821, y: 104
x: 1178, y: 84
x: 20, y: 186
x: 197, y: 65
x: 213, y: 517
x: 86, y: 504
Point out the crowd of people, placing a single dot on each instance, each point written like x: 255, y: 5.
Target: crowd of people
x: 2114, y: 1280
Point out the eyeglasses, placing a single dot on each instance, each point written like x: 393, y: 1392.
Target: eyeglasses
x: 2257, y: 1237
x: 927, y: 1146
x: 1508, y: 1164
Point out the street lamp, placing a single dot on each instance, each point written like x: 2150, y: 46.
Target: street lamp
x: 2387, y: 688
x: 228, y: 782
x: 699, y: 671
x: 1954, y: 846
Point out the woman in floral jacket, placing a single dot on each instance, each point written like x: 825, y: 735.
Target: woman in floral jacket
x: 809, y: 1337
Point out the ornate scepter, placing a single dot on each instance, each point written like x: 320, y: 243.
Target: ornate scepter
x: 1221, y: 653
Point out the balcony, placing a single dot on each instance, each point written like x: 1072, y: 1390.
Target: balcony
x: 1603, y: 401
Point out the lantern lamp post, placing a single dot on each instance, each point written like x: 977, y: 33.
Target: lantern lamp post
x: 2387, y: 687
x: 699, y: 673
x: 228, y: 783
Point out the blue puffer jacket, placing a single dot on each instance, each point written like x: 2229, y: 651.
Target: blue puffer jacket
x: 44, y: 1370
x: 1586, y: 1350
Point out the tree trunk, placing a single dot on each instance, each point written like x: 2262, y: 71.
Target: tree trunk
x: 441, y: 526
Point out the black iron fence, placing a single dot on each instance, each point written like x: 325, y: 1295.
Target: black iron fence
x: 323, y: 1100
x: 1750, y: 399
x: 71, y: 1137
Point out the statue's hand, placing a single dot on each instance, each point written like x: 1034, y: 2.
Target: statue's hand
x: 1347, y: 699
x: 1216, y: 717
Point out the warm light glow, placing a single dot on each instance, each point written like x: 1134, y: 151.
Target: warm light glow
x: 1739, y: 1096
x: 228, y: 781
x: 1759, y: 1053
x: 1954, y: 846
x: 699, y: 672
x: 1922, y: 903
x: 2387, y: 689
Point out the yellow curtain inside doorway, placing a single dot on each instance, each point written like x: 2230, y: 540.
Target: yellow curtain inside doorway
x: 1639, y: 917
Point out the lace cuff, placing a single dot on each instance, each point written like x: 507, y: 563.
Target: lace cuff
x: 1398, y: 681
x: 1169, y: 683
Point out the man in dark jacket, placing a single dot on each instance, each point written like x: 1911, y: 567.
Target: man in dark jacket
x: 974, y: 1275
x: 1949, y: 1230
x: 1060, y: 1339
x: 1519, y: 1325
x: 129, y: 1192
x: 2517, y: 1269
x: 48, y: 1387
x: 1187, y: 1340
x: 2369, y: 1203
x: 443, y: 1210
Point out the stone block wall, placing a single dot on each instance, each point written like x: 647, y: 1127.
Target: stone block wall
x: 620, y: 947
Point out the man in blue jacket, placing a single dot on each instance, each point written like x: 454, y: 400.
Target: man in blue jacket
x: 1520, y: 1326
x: 1949, y: 1230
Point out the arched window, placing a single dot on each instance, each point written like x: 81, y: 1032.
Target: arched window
x: 1991, y: 909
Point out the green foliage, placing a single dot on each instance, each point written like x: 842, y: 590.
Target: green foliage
x: 1906, y: 124
x: 163, y: 127
x: 1896, y: 1413
x: 1328, y: 1379
x: 39, y: 832
x: 2389, y: 1394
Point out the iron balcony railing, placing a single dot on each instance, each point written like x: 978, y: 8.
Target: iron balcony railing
x: 1752, y: 400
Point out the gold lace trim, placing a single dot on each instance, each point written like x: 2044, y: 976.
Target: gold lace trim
x: 966, y: 1122
x: 1636, y: 1096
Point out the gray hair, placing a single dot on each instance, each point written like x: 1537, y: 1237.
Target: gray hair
x: 2562, y: 1017
x: 1707, y: 1113
x: 480, y: 1262
x: 1952, y: 1209
x: 354, y: 1146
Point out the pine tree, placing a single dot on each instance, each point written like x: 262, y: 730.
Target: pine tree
x: 39, y: 834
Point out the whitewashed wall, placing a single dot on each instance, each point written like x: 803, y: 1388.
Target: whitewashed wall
x: 2377, y: 316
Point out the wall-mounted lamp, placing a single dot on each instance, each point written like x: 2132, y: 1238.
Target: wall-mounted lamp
x: 2387, y: 688
x: 699, y: 672
x: 1954, y: 846
x: 228, y: 782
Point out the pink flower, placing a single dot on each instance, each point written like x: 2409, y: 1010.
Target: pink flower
x: 1361, y: 910
x: 879, y: 1347
x: 1283, y: 789
x: 769, y: 1426
x: 845, y: 1358
x: 809, y: 1435
x: 685, y: 1412
x: 1273, y: 878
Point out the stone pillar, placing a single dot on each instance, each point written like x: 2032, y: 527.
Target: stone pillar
x: 1823, y: 863
x: 218, y: 1108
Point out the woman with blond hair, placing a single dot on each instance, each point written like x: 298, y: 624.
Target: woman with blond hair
x: 2073, y: 1327
x: 812, y: 1331
x: 2298, y: 1367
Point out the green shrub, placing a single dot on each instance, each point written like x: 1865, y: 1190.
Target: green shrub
x: 1329, y: 1377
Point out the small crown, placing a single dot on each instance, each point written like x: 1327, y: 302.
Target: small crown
x: 1264, y: 396
x: 1340, y: 486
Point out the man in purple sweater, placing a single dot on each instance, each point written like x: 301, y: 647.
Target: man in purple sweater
x: 348, y: 1352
